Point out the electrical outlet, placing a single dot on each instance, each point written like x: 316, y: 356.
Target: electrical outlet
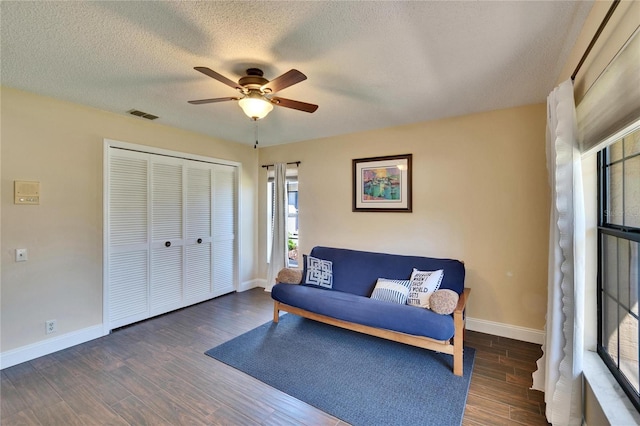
x: 50, y: 326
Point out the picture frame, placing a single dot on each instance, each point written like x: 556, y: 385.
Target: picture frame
x: 382, y: 184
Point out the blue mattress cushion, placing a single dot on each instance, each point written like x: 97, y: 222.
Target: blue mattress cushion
x: 365, y: 311
x: 357, y: 271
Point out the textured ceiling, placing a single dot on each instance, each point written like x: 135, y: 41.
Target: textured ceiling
x: 369, y: 64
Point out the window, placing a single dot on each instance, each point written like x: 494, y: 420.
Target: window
x: 292, y: 215
x: 292, y: 222
x: 619, y: 261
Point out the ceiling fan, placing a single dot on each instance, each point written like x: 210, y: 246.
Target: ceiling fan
x: 256, y: 98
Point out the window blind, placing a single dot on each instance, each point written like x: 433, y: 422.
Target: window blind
x: 612, y: 103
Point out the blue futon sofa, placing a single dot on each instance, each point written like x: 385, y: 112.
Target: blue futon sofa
x: 347, y: 304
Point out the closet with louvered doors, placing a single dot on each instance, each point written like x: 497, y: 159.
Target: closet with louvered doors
x: 170, y: 233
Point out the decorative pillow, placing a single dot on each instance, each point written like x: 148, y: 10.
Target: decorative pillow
x: 423, y: 284
x: 289, y: 276
x: 318, y: 272
x: 395, y: 291
x: 444, y: 301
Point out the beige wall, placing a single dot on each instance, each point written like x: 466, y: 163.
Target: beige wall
x: 61, y: 145
x: 480, y: 194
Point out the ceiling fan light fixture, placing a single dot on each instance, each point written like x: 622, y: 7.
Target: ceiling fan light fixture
x: 254, y: 89
x: 255, y: 106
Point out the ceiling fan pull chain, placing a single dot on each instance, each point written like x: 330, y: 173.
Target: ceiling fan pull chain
x: 255, y: 133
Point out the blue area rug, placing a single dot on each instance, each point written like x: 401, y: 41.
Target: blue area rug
x: 360, y: 379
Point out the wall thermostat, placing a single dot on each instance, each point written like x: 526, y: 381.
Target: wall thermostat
x: 26, y: 192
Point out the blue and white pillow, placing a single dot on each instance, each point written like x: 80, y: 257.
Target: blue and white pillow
x: 394, y: 291
x: 318, y: 272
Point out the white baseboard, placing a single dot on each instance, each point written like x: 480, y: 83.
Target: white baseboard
x: 35, y: 350
x: 248, y: 285
x: 46, y: 347
x: 505, y: 330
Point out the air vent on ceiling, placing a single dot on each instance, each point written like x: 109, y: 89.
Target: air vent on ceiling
x: 142, y: 114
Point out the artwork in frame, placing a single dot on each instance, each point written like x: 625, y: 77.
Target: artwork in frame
x: 382, y: 184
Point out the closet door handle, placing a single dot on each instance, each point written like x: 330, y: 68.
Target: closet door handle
x: 167, y: 244
x: 199, y: 240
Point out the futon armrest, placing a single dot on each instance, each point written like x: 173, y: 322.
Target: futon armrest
x: 462, y: 301
x: 289, y: 276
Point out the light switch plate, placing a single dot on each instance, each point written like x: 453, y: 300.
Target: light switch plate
x: 21, y: 255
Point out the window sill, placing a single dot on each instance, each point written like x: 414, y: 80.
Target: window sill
x: 614, y: 402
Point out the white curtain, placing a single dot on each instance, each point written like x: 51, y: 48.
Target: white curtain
x: 278, y: 259
x: 560, y: 368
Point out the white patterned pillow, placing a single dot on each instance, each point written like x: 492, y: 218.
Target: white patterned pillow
x: 319, y: 272
x: 423, y: 284
x: 395, y: 291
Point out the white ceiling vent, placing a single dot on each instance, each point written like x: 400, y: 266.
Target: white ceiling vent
x: 142, y: 114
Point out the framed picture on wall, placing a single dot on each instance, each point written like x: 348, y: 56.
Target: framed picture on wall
x: 382, y: 184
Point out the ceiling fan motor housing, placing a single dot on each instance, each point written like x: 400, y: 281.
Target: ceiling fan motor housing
x: 254, y: 79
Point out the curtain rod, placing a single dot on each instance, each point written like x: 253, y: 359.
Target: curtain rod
x: 266, y: 166
x: 595, y: 38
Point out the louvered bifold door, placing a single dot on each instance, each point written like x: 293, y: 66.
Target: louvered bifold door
x: 170, y: 233
x: 198, y: 271
x: 224, y: 229
x: 167, y: 242
x: 126, y: 287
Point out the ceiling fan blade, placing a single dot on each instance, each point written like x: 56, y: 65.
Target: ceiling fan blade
x: 221, y: 78
x: 210, y: 101
x: 289, y: 103
x: 287, y: 79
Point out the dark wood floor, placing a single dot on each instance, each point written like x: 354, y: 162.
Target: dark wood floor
x: 155, y: 373
x: 499, y: 393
